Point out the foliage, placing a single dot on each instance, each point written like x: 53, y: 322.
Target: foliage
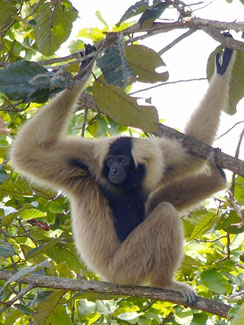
x: 35, y: 233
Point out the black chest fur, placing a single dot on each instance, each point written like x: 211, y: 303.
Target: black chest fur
x: 128, y: 209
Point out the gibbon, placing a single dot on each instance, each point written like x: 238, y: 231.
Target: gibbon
x: 126, y: 194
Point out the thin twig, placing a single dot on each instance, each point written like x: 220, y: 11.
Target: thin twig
x: 177, y: 40
x: 21, y: 294
x: 168, y: 83
x: 229, y: 130
x: 236, y: 157
x: 83, y: 128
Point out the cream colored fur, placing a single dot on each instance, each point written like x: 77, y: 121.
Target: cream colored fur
x: 153, y: 251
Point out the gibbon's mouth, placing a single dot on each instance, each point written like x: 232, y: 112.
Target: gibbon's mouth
x: 116, y: 180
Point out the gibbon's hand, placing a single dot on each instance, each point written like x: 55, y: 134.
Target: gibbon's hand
x: 221, y: 67
x: 88, y: 49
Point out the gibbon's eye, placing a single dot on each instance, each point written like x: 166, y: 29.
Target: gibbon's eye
x: 109, y: 160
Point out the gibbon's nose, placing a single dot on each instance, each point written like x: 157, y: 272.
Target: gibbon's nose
x: 114, y: 171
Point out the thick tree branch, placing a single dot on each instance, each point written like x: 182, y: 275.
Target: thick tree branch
x: 203, y: 150
x: 110, y: 290
x: 212, y: 27
x: 194, y: 146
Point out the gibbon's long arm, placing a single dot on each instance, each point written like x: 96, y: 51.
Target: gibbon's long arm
x: 40, y: 148
x: 191, y: 190
x: 204, y: 122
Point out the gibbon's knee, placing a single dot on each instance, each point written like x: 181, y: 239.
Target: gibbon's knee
x: 155, y: 246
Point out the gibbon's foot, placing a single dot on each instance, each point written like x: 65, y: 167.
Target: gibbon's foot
x: 189, y: 295
x: 187, y: 292
x: 212, y: 163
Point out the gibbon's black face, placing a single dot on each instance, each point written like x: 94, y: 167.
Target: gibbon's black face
x: 119, y: 167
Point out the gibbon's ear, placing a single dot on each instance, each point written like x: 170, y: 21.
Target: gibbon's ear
x: 148, y: 153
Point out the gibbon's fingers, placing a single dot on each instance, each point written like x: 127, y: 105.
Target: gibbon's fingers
x: 88, y: 49
x: 222, y: 67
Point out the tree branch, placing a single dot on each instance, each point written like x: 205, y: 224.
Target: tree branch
x: 194, y: 146
x: 111, y: 290
x: 203, y: 150
x: 211, y: 27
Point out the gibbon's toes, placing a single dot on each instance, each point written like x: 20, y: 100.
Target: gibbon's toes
x: 189, y: 295
x: 185, y: 290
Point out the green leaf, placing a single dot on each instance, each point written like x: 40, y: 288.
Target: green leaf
x: 236, y: 92
x: 239, y: 317
x: 24, y: 272
x: 239, y: 190
x: 214, y: 281
x: 122, y: 108
x: 15, y: 79
x: 42, y: 248
x: 60, y: 254
x: 3, y: 176
x: 203, y: 220
x: 3, y: 150
x: 134, y: 10
x: 76, y: 45
x: 46, y: 307
x: 64, y: 270
x: 152, y: 13
x: 144, y: 62
x: 95, y: 34
x: 59, y: 317
x: 53, y: 25
x: 29, y: 81
x: 100, y: 18
x: 31, y: 214
x: 40, y: 297
x: 199, y: 319
x: 227, y: 222
x: 6, y: 251
x: 8, y: 10
x: 12, y: 317
x: 115, y: 66
x: 24, y: 309
x: 188, y: 264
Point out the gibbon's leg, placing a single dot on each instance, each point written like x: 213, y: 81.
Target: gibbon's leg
x: 152, y: 252
x: 190, y: 191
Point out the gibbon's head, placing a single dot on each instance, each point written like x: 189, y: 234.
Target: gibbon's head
x: 129, y: 162
x: 119, y: 167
